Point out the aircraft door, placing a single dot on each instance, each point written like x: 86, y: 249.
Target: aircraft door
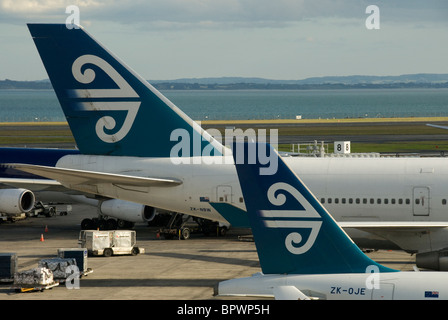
x: 421, y: 201
x: 224, y: 194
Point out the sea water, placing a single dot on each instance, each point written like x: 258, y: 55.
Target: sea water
x: 42, y: 105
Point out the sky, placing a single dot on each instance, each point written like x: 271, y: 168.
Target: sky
x: 281, y: 39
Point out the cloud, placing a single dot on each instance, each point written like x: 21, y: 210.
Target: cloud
x: 174, y: 14
x: 282, y: 39
x: 22, y: 11
x: 237, y: 12
x: 44, y: 6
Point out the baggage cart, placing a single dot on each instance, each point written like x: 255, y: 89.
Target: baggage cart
x: 8, y: 266
x: 58, y: 266
x: 108, y: 243
x: 37, y: 279
x: 80, y: 255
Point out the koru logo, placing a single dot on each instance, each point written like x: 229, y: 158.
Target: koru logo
x: 292, y: 219
x: 122, y: 99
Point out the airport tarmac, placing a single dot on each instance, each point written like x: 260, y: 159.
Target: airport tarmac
x: 168, y: 270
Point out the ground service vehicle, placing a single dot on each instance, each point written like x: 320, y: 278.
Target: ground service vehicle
x: 108, y: 243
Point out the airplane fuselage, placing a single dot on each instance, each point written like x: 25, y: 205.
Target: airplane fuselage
x: 353, y: 189
x: 379, y: 189
x: 356, y: 286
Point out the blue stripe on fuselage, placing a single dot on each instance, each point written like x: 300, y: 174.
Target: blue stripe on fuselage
x: 43, y: 157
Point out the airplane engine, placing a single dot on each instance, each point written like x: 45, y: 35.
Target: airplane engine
x: 16, y: 201
x: 128, y: 211
x: 434, y: 260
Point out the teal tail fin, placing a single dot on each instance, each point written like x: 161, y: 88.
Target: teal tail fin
x: 293, y: 232
x: 110, y: 109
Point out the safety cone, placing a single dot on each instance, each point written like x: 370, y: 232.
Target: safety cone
x: 42, y: 237
x: 46, y: 228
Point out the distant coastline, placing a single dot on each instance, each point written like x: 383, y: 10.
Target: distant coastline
x: 273, y: 86
x: 434, y: 81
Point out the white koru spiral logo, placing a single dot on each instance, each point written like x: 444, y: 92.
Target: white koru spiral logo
x: 300, y: 219
x: 102, y: 99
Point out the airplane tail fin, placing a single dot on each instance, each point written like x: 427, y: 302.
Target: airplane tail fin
x: 293, y: 232
x: 110, y: 109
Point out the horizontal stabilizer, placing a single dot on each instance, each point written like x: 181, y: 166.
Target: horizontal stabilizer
x: 289, y: 293
x: 81, y: 177
x: 235, y: 216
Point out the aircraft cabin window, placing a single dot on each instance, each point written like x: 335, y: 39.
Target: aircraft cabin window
x: 444, y: 201
x: 370, y: 200
x: 417, y: 201
x: 241, y: 199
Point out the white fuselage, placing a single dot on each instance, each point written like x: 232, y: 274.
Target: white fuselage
x: 356, y: 286
x: 352, y: 189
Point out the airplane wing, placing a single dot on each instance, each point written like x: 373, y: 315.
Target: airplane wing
x: 35, y: 185
x: 73, y: 177
x: 31, y: 182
